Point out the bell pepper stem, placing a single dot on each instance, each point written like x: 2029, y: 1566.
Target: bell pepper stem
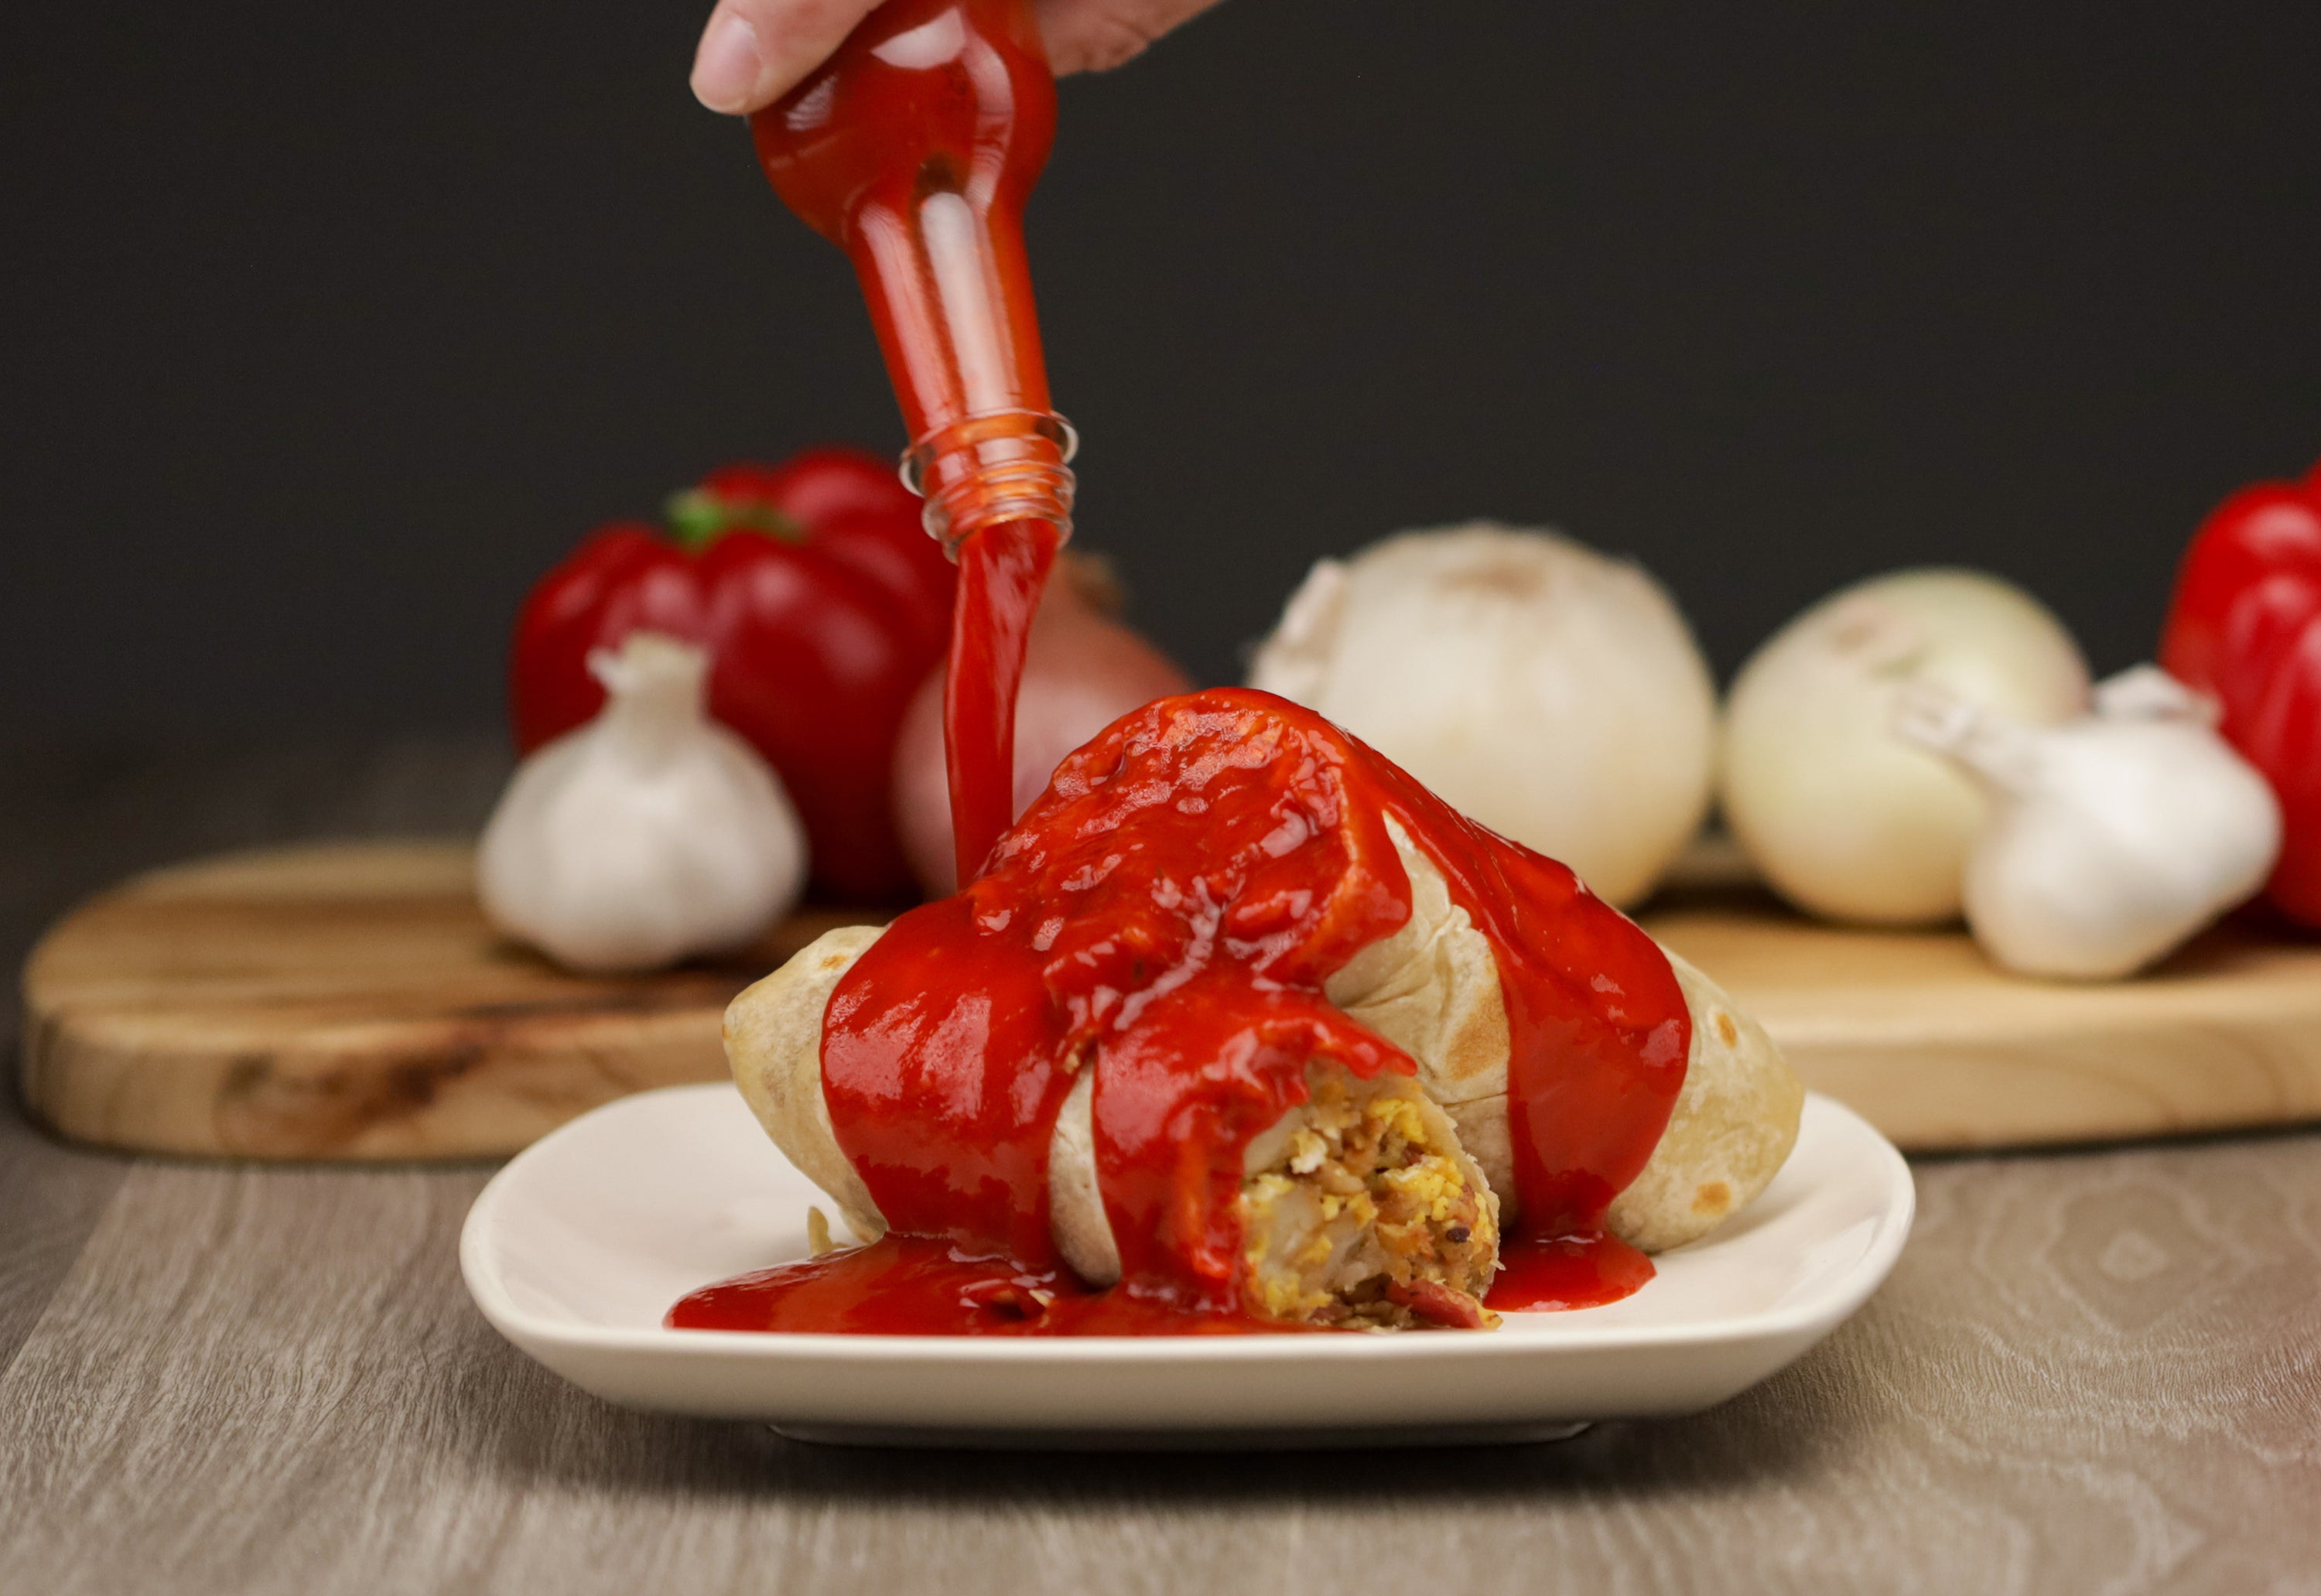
x: 699, y: 519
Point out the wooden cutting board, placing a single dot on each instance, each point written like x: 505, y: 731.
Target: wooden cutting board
x: 345, y: 1001
x: 348, y: 1002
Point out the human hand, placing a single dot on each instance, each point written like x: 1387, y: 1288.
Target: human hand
x: 752, y: 52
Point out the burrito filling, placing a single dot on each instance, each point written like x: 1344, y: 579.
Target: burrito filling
x: 1358, y: 1212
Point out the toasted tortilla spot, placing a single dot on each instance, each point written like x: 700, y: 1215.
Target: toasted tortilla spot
x: 1724, y: 1031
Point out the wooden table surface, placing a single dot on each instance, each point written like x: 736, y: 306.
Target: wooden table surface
x: 2099, y: 1371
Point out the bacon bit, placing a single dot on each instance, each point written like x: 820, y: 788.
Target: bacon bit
x: 1439, y: 1304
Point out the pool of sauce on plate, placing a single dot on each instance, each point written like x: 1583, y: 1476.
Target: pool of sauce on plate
x: 1167, y: 914
x: 916, y: 1285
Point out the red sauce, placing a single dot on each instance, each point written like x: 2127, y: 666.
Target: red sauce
x: 1166, y: 914
x: 1001, y: 571
x: 912, y: 1285
x: 1539, y: 1272
x: 913, y: 149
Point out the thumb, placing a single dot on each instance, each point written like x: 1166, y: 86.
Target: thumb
x: 752, y: 52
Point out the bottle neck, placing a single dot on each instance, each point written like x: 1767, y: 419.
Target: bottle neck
x: 988, y: 469
x: 914, y: 148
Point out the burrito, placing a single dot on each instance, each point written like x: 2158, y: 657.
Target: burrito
x: 1357, y: 1207
x: 1241, y: 1019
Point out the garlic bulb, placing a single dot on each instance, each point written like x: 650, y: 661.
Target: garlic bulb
x: 1841, y: 817
x: 1550, y: 692
x: 2112, y: 837
x: 648, y: 835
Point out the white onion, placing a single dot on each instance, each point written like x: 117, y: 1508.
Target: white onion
x: 1844, y: 818
x: 1552, y: 693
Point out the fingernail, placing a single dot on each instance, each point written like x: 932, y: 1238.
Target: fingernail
x: 726, y: 70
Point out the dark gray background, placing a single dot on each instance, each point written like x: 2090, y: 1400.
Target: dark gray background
x: 328, y: 327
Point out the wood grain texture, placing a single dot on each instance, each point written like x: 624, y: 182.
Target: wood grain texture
x: 2091, y: 1371
x: 1943, y: 1050
x: 345, y: 1001
x: 349, y: 1002
x: 72, y: 819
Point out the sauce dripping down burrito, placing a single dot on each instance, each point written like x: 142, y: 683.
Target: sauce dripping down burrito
x: 1244, y: 1029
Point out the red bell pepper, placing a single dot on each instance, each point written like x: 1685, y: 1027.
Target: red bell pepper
x: 823, y: 605
x: 2245, y: 625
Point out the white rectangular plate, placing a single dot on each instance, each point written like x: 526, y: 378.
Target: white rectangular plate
x: 577, y: 1249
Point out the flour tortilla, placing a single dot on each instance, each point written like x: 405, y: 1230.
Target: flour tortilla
x: 773, y: 1041
x: 1076, y: 1217
x: 1433, y: 989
